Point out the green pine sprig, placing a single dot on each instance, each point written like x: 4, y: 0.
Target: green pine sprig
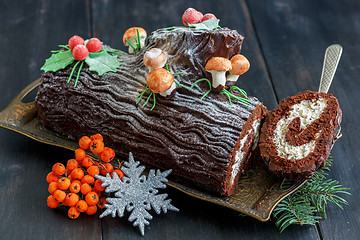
x: 304, y: 205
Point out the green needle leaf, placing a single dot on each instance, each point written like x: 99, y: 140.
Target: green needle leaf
x: 142, y: 94
x: 147, y: 100
x: 58, y: 61
x: 138, y: 39
x: 311, y: 198
x: 154, y: 102
x: 130, y: 44
x: 102, y: 62
x: 72, y: 71
x: 78, y: 74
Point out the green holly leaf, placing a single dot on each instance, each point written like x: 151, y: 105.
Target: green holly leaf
x: 102, y: 62
x: 209, y: 24
x: 57, y: 61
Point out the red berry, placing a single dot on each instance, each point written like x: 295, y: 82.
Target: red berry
x: 94, y: 45
x: 96, y: 136
x: 208, y: 16
x: 191, y: 16
x: 74, y: 41
x: 107, y: 154
x: 80, y: 52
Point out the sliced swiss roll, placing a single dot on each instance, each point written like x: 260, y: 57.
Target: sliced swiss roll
x: 298, y: 134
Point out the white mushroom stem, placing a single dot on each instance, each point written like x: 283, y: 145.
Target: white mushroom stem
x: 218, y: 78
x: 169, y: 91
x: 232, y: 77
x: 151, y: 68
x: 133, y: 41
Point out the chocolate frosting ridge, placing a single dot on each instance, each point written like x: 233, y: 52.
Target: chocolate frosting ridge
x: 191, y: 136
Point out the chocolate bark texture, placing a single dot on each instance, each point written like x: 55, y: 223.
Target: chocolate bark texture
x: 193, y: 137
x: 322, y: 130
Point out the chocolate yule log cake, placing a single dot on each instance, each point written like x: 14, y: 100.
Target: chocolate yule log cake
x: 205, y: 139
x: 298, y: 134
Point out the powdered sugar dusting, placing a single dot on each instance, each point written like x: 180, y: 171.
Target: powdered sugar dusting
x: 153, y: 53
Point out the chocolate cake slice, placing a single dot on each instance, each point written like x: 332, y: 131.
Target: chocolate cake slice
x: 298, y: 134
x: 205, y: 142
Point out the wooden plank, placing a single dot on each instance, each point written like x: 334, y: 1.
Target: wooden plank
x: 29, y: 30
x: 294, y: 36
x: 196, y: 219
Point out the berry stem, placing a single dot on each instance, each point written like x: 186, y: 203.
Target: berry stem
x: 64, y: 46
x: 78, y: 74
x: 72, y: 71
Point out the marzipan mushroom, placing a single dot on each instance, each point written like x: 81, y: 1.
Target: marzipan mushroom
x: 218, y: 66
x: 161, y: 81
x: 132, y: 36
x: 239, y: 66
x: 154, y: 58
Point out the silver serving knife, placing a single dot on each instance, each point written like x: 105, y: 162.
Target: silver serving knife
x: 331, y: 61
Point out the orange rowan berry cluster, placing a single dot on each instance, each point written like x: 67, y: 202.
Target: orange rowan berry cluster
x: 74, y: 185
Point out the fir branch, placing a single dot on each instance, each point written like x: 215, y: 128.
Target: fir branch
x: 294, y: 209
x: 311, y: 198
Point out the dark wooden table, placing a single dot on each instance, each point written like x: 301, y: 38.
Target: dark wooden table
x: 285, y: 42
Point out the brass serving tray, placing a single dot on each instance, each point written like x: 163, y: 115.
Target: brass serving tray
x: 256, y: 195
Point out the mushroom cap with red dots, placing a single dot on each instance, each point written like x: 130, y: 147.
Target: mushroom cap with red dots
x: 240, y: 64
x: 132, y: 32
x: 218, y: 64
x: 159, y: 80
x: 155, y: 58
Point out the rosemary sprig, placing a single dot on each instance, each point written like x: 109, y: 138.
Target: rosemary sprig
x: 302, y: 206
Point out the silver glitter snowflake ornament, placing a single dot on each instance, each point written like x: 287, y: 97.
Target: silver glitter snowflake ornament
x: 136, y: 193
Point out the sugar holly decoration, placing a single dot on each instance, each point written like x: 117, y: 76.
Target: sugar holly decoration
x: 136, y: 193
x: 74, y: 41
x: 94, y: 45
x: 191, y: 16
x: 208, y: 16
x: 79, y: 51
